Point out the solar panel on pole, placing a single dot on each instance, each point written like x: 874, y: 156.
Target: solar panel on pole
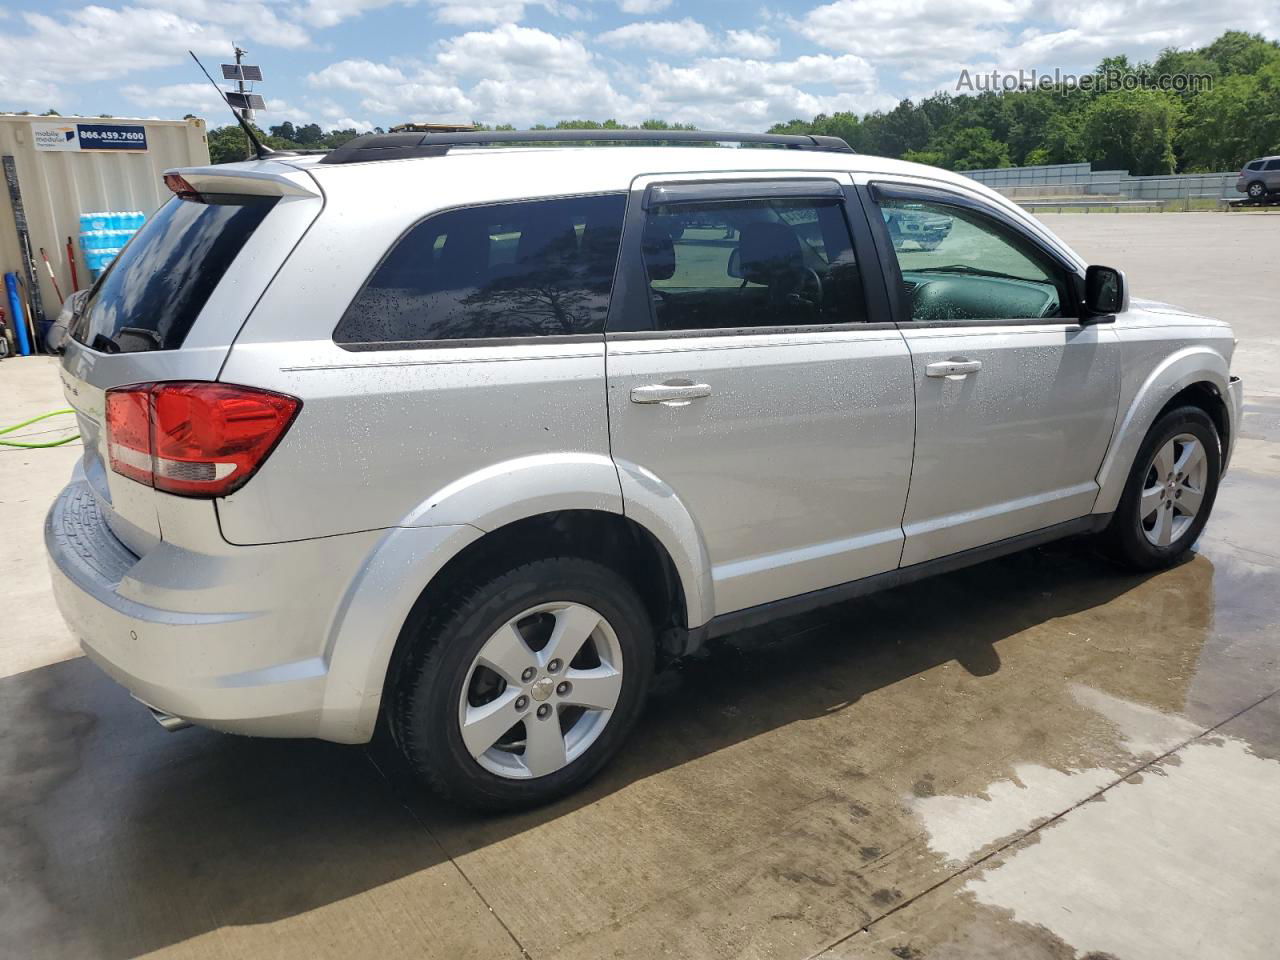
x: 246, y: 101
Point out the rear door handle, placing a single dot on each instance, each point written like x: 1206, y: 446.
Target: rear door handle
x: 673, y: 393
x: 956, y: 367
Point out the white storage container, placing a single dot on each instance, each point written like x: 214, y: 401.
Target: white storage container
x: 68, y: 166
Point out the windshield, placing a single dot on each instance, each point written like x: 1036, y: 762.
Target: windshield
x: 153, y: 291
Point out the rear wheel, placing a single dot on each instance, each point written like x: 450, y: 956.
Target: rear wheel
x: 1257, y: 190
x: 1170, y: 491
x: 521, y: 689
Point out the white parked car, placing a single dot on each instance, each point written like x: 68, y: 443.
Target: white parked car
x: 469, y: 439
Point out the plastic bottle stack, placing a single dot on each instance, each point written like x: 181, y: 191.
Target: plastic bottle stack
x: 102, y: 235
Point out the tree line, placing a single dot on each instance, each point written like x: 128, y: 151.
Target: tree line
x: 1217, y: 125
x: 1229, y: 120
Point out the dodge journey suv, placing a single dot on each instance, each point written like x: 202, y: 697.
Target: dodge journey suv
x: 469, y: 440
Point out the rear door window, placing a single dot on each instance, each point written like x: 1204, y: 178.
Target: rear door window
x: 1272, y: 165
x: 150, y: 296
x: 722, y: 265
x: 508, y: 270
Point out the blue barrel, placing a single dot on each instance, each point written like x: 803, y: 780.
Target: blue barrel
x: 15, y: 310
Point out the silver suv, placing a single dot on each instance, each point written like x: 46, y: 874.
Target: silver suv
x: 469, y: 440
x: 1260, y: 177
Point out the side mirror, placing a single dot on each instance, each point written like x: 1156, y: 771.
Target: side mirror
x: 1105, y: 292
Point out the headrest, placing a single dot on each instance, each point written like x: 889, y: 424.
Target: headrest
x: 766, y: 252
x: 465, y: 253
x: 545, y: 237
x: 659, y: 251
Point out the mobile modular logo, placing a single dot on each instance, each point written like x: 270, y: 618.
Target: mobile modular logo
x: 88, y: 136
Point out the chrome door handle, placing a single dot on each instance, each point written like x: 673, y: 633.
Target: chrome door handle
x: 958, y: 367
x: 673, y: 393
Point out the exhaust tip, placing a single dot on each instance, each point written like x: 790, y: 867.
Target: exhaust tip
x: 166, y: 720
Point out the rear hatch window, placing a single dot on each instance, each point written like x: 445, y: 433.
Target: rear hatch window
x: 152, y: 293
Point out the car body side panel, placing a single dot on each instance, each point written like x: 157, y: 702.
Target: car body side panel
x: 386, y: 438
x: 1014, y: 447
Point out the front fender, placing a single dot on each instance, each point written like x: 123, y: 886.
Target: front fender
x: 1194, y: 364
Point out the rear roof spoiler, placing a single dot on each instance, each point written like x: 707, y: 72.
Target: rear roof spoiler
x: 242, y: 182
x: 401, y: 146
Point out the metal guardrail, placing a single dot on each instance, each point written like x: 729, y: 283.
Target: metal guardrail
x: 1181, y: 192
x: 1089, y: 204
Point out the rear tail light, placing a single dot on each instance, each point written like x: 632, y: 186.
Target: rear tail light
x: 194, y: 439
x: 180, y: 187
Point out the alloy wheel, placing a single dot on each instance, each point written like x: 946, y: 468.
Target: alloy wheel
x: 1174, y: 490
x: 541, y: 690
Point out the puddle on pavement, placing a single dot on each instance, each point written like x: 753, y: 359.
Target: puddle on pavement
x: 1175, y: 864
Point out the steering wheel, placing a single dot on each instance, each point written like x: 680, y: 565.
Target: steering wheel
x: 810, y: 291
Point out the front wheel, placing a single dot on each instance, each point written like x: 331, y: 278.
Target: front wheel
x: 521, y: 688
x: 1170, y: 491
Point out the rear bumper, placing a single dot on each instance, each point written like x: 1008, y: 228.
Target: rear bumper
x: 232, y: 639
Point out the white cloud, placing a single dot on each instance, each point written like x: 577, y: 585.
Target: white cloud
x: 28, y: 93
x: 669, y: 36
x: 510, y: 51
x: 748, y: 94
x: 643, y: 7
x: 510, y: 74
x: 93, y: 44
x: 749, y: 43
x: 911, y: 29
x: 249, y: 20
x: 329, y: 13
x: 199, y: 98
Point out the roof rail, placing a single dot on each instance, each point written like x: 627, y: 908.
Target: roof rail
x: 400, y: 146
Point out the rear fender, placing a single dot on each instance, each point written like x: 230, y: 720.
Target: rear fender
x: 406, y: 558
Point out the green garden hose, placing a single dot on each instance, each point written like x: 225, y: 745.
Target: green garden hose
x: 27, y: 423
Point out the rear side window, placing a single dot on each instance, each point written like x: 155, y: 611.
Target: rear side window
x: 153, y: 291
x: 525, y: 269
x: 1254, y: 165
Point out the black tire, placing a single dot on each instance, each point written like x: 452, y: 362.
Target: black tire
x: 1257, y: 190
x: 423, y: 711
x: 1124, y: 535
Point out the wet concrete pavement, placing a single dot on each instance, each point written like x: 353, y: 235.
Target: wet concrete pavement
x: 1037, y: 757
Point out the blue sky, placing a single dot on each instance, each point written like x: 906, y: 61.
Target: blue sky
x: 714, y: 63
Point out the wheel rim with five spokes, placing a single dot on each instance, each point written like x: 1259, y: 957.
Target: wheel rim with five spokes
x: 541, y: 690
x: 1173, y: 490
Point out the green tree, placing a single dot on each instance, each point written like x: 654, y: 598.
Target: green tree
x: 309, y: 134
x: 1237, y: 53
x: 228, y: 144
x: 973, y: 148
x: 1237, y: 120
x: 1061, y: 141
x: 1132, y: 130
